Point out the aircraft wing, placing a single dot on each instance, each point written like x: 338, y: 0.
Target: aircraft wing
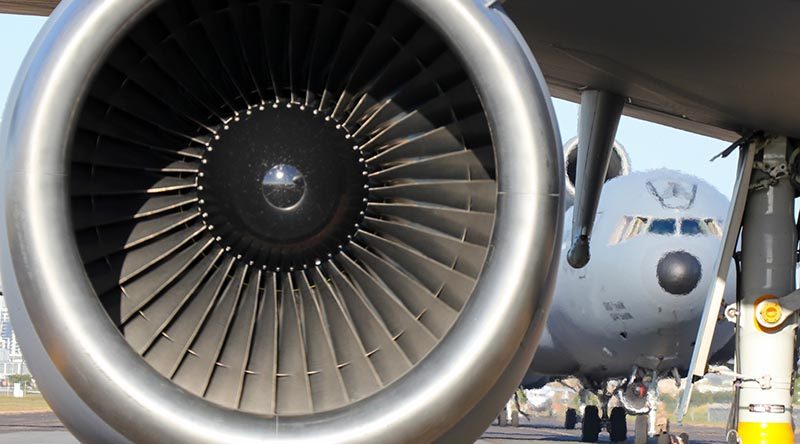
x: 709, y: 67
x: 28, y: 7
x: 715, y: 68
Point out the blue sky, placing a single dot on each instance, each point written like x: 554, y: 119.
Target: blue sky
x: 649, y: 145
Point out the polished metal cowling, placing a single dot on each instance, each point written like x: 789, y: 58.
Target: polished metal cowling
x: 279, y: 221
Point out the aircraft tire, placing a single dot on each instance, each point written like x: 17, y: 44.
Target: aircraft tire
x: 618, y: 428
x: 590, y: 427
x: 571, y: 419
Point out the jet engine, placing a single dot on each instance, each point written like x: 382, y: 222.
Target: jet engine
x: 619, y: 165
x: 279, y: 221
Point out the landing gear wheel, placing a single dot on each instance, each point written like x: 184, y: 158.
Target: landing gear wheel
x: 618, y: 428
x: 590, y: 427
x: 571, y: 419
x: 640, y: 432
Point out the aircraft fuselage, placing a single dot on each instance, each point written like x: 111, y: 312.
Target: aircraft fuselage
x: 640, y: 298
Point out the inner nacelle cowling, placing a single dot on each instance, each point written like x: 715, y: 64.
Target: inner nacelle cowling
x: 280, y: 220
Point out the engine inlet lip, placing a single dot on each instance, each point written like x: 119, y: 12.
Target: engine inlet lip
x: 571, y: 147
x: 51, y: 288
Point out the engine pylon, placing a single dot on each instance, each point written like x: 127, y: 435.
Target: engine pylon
x: 599, y: 119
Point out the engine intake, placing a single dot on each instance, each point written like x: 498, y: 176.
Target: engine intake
x: 619, y: 165
x: 267, y: 220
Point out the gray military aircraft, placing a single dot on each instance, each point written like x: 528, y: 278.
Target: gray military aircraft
x: 168, y: 283
x: 630, y: 317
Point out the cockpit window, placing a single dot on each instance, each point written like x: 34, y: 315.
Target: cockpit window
x: 637, y: 226
x: 628, y: 227
x: 663, y: 226
x: 691, y: 227
x: 714, y: 227
x: 632, y: 226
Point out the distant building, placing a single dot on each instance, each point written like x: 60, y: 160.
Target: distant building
x: 12, y: 367
x: 6, y: 332
x: 13, y: 347
x: 11, y: 360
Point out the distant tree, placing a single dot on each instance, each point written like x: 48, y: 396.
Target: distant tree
x: 523, y: 398
x: 703, y: 398
x: 25, y: 380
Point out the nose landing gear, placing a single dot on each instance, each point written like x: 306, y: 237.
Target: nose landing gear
x: 637, y: 396
x: 593, y: 423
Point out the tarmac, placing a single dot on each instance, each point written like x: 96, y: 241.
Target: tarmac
x: 550, y: 430
x: 44, y: 428
x: 37, y: 438
x: 33, y: 428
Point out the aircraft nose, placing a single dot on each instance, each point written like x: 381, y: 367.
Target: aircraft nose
x: 679, y: 272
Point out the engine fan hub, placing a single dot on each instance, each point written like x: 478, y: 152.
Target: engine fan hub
x: 283, y: 188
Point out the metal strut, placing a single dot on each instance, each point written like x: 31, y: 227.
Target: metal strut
x: 769, y: 246
x: 699, y: 364
x: 597, y: 128
x: 766, y: 311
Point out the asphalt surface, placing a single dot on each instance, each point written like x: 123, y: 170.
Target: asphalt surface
x: 550, y: 430
x: 45, y: 428
x: 33, y: 428
x: 29, y: 422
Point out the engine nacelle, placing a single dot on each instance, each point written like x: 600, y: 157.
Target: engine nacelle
x: 619, y: 165
x: 268, y: 221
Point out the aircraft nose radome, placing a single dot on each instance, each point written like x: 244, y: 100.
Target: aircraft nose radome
x: 679, y: 272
